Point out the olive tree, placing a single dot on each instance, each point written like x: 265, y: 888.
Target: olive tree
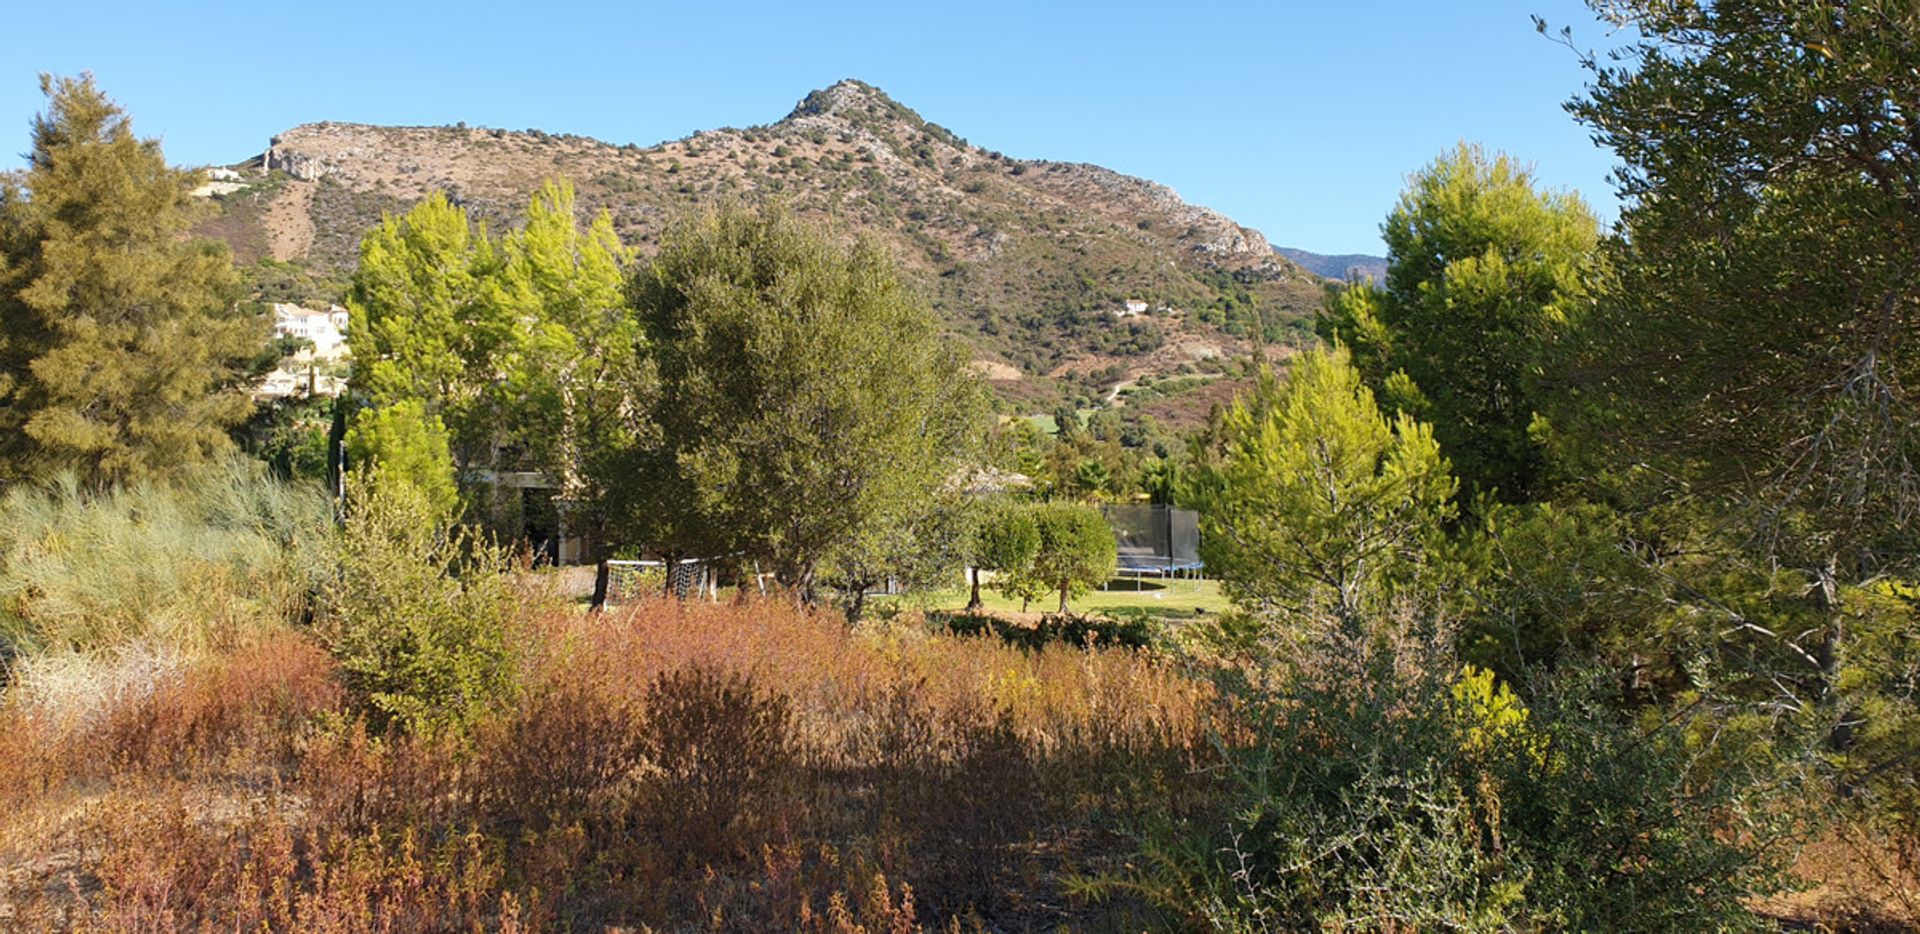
x: 804, y: 398
x: 1004, y: 541
x: 1074, y: 550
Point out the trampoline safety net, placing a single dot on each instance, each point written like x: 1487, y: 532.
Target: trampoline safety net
x: 1155, y: 538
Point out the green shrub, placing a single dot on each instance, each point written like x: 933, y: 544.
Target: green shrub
x: 191, y: 565
x: 1375, y: 784
x: 1131, y: 630
x: 417, y: 613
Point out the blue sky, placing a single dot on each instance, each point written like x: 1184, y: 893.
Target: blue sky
x: 1299, y: 119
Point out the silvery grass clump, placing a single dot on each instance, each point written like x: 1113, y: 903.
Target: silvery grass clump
x: 71, y: 690
x: 114, y: 581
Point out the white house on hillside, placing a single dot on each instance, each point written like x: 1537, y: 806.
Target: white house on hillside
x: 327, y: 330
x: 314, y: 370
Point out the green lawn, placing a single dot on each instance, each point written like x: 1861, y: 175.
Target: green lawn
x: 1179, y: 598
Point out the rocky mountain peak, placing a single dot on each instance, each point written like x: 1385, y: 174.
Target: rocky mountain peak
x: 850, y: 96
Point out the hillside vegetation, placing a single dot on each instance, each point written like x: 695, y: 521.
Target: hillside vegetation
x: 1028, y: 260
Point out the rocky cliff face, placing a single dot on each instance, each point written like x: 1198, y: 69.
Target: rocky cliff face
x: 300, y: 164
x: 1027, y: 259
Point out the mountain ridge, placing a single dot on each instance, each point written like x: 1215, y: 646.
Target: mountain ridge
x: 1075, y: 276
x: 1338, y: 266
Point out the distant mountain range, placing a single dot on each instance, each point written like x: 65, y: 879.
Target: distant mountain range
x: 1346, y: 266
x: 1068, y: 279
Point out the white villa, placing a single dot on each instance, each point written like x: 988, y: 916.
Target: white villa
x: 315, y: 370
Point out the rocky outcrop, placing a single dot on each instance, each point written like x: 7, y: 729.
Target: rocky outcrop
x: 300, y: 165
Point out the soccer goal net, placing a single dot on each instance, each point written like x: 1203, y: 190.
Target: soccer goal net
x: 628, y: 581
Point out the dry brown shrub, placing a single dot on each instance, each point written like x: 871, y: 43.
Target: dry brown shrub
x: 1057, y: 696
x: 669, y: 765
x: 720, y: 765
x: 244, y: 712
x: 164, y: 866
x: 251, y: 707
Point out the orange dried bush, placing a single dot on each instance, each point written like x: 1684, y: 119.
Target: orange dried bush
x: 163, y: 867
x: 667, y: 765
x: 1057, y: 695
x: 247, y: 710
x: 252, y: 706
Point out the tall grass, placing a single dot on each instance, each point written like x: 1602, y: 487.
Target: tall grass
x: 195, y: 565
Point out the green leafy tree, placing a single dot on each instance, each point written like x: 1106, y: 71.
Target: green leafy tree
x: 1753, y: 358
x: 566, y: 399
x: 1093, y: 480
x: 409, y: 446
x: 1005, y: 540
x: 1754, y: 344
x: 1074, y: 552
x: 423, y: 326
x: 804, y: 398
x: 1558, y: 583
x: 125, y: 351
x: 290, y: 436
x: 918, y: 548
x: 1318, y: 503
x: 1482, y: 271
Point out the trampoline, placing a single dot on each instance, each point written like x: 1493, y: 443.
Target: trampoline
x: 1156, y: 540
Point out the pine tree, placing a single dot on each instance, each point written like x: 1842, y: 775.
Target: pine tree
x: 408, y: 445
x: 126, y: 350
x: 1319, y: 503
x: 576, y: 345
x: 1482, y: 268
x: 423, y: 327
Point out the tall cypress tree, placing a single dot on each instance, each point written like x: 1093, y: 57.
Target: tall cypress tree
x: 126, y: 349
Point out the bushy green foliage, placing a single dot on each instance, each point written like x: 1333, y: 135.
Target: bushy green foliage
x: 1134, y: 631
x: 1746, y: 376
x: 520, y: 346
x: 806, y: 400
x: 1561, y: 582
x: 575, y: 349
x: 417, y: 613
x: 918, y: 548
x: 1753, y: 345
x: 291, y: 436
x: 219, y: 553
x: 422, y: 329
x: 1004, y: 541
x: 1482, y: 272
x: 124, y: 348
x: 1375, y: 784
x: 409, y: 445
x: 1316, y: 501
x: 1074, y: 551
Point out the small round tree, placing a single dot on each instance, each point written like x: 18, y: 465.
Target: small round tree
x: 1004, y: 541
x: 1076, y: 549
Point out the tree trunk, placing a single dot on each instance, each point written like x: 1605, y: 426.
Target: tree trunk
x: 601, y: 575
x: 973, y: 602
x: 803, y: 589
x: 1063, y: 599
x: 1832, y: 648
